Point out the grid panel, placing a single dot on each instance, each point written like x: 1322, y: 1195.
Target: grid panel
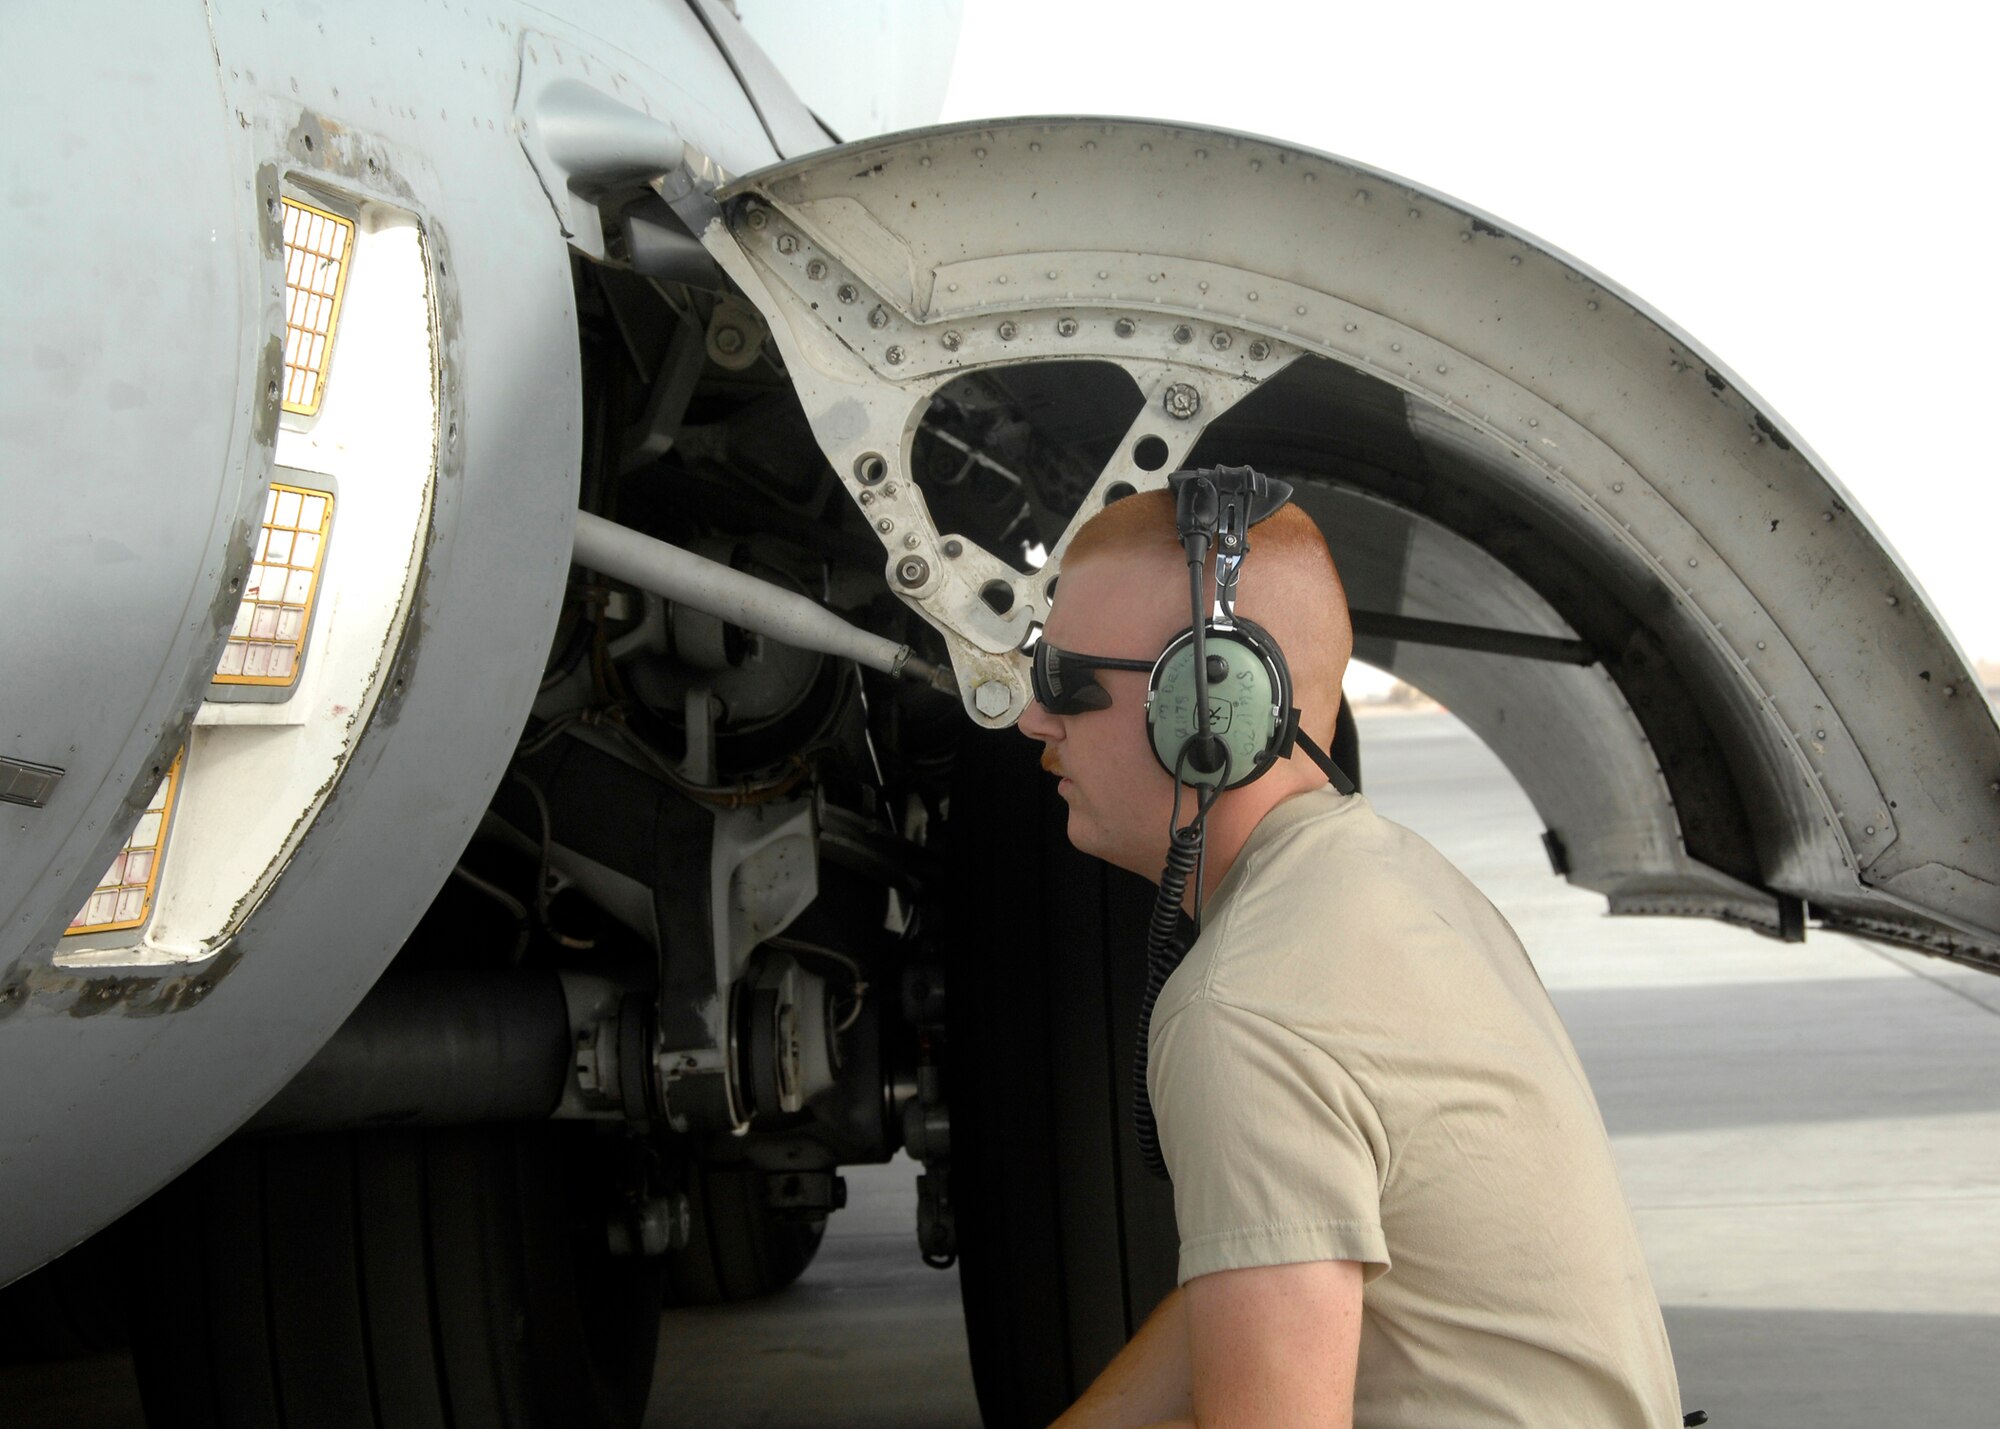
x: 317, y: 245
x: 124, y: 896
x: 267, y: 642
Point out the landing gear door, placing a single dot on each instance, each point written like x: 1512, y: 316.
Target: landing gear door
x: 1767, y: 718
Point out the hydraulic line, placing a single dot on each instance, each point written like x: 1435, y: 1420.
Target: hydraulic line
x: 729, y: 594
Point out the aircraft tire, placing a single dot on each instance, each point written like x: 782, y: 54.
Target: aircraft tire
x: 438, y: 1278
x: 737, y: 1248
x: 1065, y: 1242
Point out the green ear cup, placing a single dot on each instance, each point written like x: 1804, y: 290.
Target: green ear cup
x: 1248, y: 692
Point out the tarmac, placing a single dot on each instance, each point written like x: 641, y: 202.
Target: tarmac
x: 1809, y: 1136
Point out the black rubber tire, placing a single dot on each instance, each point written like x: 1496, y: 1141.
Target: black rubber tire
x: 71, y: 1307
x: 435, y: 1279
x: 1066, y: 1243
x: 737, y: 1248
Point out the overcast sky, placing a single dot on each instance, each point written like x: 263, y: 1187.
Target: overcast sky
x: 1805, y: 189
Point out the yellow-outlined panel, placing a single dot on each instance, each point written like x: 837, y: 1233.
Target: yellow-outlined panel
x: 267, y: 643
x: 318, y: 248
x: 124, y: 898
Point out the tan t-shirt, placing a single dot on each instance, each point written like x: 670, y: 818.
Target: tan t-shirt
x: 1356, y: 1061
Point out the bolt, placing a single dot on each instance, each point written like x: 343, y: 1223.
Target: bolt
x: 1183, y: 333
x: 1219, y: 341
x: 885, y: 525
x: 954, y: 549
x: 1065, y: 327
x: 890, y: 489
x: 878, y: 317
x: 787, y: 243
x: 895, y: 356
x: 950, y: 340
x: 815, y: 270
x: 847, y: 292
x: 1259, y: 350
x: 1870, y: 831
x: 1819, y: 734
x: 1888, y: 600
x: 1124, y: 327
x: 910, y: 541
x: 728, y: 341
x: 992, y: 698
x: 867, y: 498
x: 1950, y: 690
x: 1007, y: 331
x: 758, y: 218
x: 913, y: 570
x: 1182, y: 401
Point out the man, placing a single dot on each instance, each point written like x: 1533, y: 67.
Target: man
x: 1395, y: 1196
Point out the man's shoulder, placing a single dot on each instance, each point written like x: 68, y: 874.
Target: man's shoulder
x: 1322, y: 852
x: 1342, y: 904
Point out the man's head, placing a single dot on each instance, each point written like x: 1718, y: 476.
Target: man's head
x: 1124, y: 593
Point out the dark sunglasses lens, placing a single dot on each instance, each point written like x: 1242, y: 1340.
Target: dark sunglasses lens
x: 1065, y: 685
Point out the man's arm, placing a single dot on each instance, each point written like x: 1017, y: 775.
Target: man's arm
x: 1267, y: 1348
x: 1147, y: 1382
x: 1275, y: 1347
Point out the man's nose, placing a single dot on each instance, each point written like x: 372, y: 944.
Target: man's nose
x: 1037, y: 723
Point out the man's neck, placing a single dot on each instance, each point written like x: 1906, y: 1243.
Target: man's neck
x: 1236, y: 816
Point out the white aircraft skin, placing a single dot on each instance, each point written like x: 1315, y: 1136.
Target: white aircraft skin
x: 1767, y: 717
x: 139, y: 440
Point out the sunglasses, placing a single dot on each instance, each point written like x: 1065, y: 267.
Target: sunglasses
x: 1066, y: 683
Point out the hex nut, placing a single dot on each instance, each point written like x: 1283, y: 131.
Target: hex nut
x: 1007, y: 331
x: 878, y: 316
x: 728, y: 341
x: 913, y: 570
x: 787, y: 243
x: 758, y: 218
x: 895, y: 356
x: 992, y: 698
x: 1219, y: 341
x: 950, y: 340
x: 1124, y: 327
x: 1183, y: 333
x: 847, y: 292
x: 1259, y: 350
x: 815, y: 270
x: 1065, y: 327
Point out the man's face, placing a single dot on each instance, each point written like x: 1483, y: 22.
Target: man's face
x: 1119, y: 797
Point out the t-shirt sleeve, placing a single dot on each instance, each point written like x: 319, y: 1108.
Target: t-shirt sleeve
x: 1274, y: 1150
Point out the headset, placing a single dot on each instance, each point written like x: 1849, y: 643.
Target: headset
x: 1219, y: 712
x: 1230, y: 726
